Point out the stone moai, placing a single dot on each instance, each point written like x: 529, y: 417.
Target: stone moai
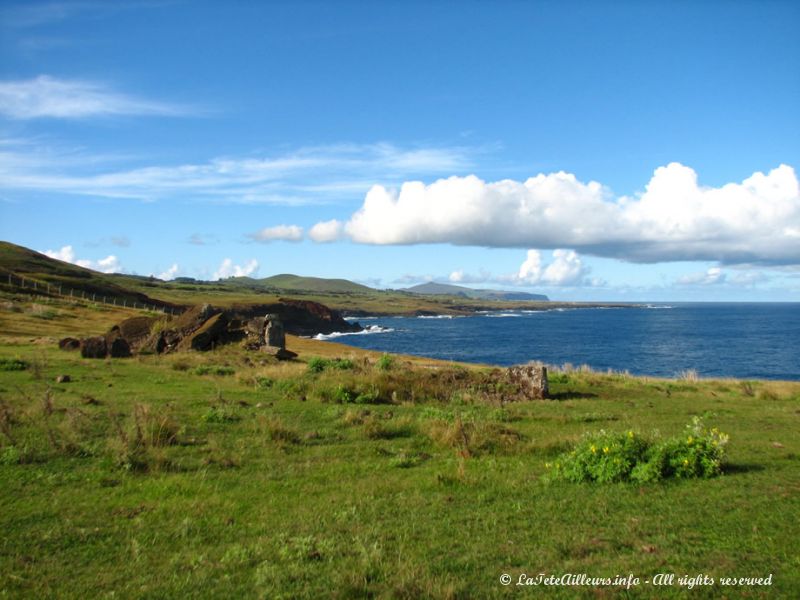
x: 274, y: 334
x: 532, y: 380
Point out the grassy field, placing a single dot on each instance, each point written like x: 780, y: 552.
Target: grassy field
x: 226, y: 474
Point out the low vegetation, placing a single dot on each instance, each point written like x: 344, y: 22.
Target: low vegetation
x: 612, y: 457
x: 353, y: 474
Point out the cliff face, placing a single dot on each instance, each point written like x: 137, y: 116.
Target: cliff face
x: 300, y: 317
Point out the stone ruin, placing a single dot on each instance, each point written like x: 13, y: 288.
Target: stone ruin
x: 531, y: 380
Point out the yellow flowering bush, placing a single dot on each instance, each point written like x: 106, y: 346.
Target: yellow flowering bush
x: 626, y: 456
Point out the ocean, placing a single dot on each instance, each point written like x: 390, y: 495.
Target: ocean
x: 749, y: 341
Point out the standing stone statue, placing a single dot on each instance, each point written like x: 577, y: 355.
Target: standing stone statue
x: 275, y: 338
x: 274, y: 335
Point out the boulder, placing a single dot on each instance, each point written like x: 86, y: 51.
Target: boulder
x: 69, y: 343
x: 119, y: 348
x: 193, y: 319
x: 531, y: 379
x: 94, y: 347
x: 135, y: 330
x: 279, y: 353
x: 207, y: 336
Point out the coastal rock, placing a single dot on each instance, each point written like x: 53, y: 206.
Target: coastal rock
x: 531, y: 379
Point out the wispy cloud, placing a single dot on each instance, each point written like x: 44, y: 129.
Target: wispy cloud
x: 49, y: 97
x: 285, y: 233
x: 37, y: 14
x: 309, y: 175
x: 202, y: 239
x: 29, y: 15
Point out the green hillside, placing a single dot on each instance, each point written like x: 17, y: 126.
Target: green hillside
x: 445, y: 289
x: 24, y: 268
x: 314, y: 284
x: 338, y: 294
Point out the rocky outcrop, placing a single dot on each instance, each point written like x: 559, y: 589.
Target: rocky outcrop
x: 209, y: 334
x: 299, y: 317
x: 204, y: 327
x: 135, y: 330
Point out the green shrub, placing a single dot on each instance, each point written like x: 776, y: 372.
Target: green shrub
x: 611, y: 457
x: 263, y: 383
x: 10, y: 455
x: 214, y: 370
x: 385, y: 362
x: 290, y: 388
x: 220, y: 414
x: 318, y: 365
x: 350, y: 394
x: 12, y: 364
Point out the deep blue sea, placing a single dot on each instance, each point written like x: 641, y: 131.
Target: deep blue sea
x: 717, y: 340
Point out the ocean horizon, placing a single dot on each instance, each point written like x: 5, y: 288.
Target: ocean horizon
x: 746, y: 340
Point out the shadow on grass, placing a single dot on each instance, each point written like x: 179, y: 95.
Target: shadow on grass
x: 738, y: 468
x: 571, y: 395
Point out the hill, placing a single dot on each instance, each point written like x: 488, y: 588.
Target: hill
x: 18, y: 263
x: 444, y: 289
x: 286, y: 281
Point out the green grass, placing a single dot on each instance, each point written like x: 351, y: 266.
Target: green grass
x: 391, y: 478
x: 145, y: 480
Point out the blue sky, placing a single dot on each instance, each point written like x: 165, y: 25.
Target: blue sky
x: 590, y: 150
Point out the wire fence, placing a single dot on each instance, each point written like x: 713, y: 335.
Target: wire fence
x: 35, y: 286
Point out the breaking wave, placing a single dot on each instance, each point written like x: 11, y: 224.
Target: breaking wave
x: 365, y: 331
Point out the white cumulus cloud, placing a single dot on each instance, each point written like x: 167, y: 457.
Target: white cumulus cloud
x: 286, y: 233
x: 109, y: 264
x: 170, y: 273
x: 326, y: 231
x: 228, y: 269
x: 47, y: 96
x: 675, y: 218
x: 565, y: 269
